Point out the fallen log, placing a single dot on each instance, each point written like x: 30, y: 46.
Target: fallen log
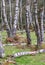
x: 28, y: 53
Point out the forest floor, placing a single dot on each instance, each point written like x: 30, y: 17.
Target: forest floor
x: 38, y: 59
x: 23, y: 35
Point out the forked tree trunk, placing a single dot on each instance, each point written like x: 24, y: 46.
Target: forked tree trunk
x: 27, y: 23
x: 37, y: 28
x: 11, y: 30
x: 5, y: 18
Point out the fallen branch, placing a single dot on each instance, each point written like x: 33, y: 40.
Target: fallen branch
x: 14, y: 44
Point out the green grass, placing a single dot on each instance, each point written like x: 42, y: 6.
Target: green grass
x: 4, y: 35
x: 33, y: 36
x: 31, y: 60
x: 13, y: 49
x: 38, y: 59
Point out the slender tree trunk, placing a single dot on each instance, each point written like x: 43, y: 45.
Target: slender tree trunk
x: 37, y: 28
x: 16, y: 17
x: 10, y: 18
x: 1, y: 47
x: 2, y: 23
x: 42, y: 28
x: 10, y: 14
x: 21, y: 14
x: 27, y: 23
x: 30, y: 14
x: 18, y: 25
x: 5, y: 18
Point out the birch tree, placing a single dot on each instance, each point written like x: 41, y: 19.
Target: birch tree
x: 27, y: 22
x: 37, y: 28
x: 30, y: 14
x: 2, y: 23
x: 5, y: 18
x: 1, y: 45
x: 21, y: 14
x: 16, y: 17
x: 10, y: 14
x: 2, y: 54
x: 42, y: 28
x: 11, y: 29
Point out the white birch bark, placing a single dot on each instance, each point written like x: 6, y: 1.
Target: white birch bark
x: 1, y: 46
x: 36, y: 23
x: 30, y: 14
x: 27, y: 23
x: 4, y: 14
x: 16, y: 17
x: 21, y: 14
x: 2, y: 23
x: 27, y: 11
x: 42, y: 28
x: 5, y: 18
x: 29, y: 53
x: 10, y: 14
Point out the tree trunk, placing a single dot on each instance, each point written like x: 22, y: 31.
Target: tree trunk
x: 16, y: 17
x: 27, y: 23
x: 21, y: 14
x: 9, y: 32
x: 37, y: 28
x: 5, y: 18
x: 1, y: 47
x: 2, y: 23
x: 30, y: 14
x: 10, y: 14
x: 42, y: 28
x: 10, y: 8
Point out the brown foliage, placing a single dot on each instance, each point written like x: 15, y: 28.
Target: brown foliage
x: 34, y: 47
x: 10, y: 40
x: 43, y: 45
x: 16, y: 39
